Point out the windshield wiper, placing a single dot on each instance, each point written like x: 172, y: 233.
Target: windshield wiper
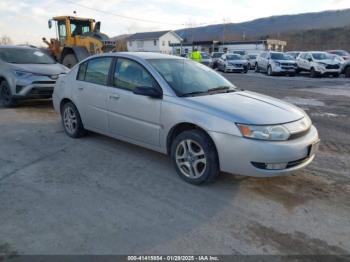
x: 226, y: 89
x: 195, y: 93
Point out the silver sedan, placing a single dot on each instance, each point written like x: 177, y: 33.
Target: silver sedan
x: 187, y: 110
x: 26, y: 72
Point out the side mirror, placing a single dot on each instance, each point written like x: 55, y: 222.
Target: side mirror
x: 50, y: 24
x: 309, y: 59
x: 148, y: 91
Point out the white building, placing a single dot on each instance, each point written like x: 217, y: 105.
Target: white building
x: 251, y: 47
x: 160, y: 42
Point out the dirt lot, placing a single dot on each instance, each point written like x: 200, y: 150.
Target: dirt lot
x: 97, y: 195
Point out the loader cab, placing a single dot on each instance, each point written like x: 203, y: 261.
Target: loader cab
x: 70, y: 27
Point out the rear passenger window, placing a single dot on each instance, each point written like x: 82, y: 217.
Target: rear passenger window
x: 95, y: 70
x: 82, y: 71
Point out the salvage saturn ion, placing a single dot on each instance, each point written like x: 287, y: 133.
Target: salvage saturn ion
x: 187, y: 110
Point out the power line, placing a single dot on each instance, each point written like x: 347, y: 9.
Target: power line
x: 121, y: 16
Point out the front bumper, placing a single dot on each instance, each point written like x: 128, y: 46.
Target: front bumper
x: 284, y: 70
x: 34, y: 87
x: 236, y: 154
x: 236, y: 69
x: 324, y: 71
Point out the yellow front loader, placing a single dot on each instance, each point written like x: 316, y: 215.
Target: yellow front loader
x: 77, y: 38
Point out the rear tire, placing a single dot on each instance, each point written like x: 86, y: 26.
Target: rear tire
x: 194, y: 157
x: 6, y: 98
x: 71, y: 121
x: 70, y: 60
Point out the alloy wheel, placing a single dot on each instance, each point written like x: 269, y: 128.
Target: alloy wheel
x: 70, y: 120
x: 190, y: 158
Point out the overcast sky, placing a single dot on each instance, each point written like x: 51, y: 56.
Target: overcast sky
x: 26, y: 20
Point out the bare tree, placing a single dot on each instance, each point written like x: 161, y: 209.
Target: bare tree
x: 5, y: 40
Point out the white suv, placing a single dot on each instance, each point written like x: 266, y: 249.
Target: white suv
x: 318, y: 64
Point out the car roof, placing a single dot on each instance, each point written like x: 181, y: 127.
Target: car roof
x: 16, y: 47
x: 146, y: 55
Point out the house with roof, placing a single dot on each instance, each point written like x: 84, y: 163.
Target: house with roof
x: 160, y: 41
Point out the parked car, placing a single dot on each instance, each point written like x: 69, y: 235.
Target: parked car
x: 25, y: 73
x: 251, y: 61
x: 232, y: 63
x: 294, y: 54
x: 187, y: 110
x: 318, y: 64
x: 215, y: 57
x: 206, y: 59
x: 346, y: 69
x: 344, y: 54
x: 275, y: 63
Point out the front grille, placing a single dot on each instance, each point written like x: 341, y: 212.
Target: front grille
x: 332, y: 67
x: 288, y: 64
x: 44, y: 82
x: 41, y: 91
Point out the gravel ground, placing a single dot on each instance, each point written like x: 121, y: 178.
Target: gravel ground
x: 97, y: 195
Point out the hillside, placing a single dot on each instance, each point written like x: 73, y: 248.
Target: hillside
x: 262, y: 27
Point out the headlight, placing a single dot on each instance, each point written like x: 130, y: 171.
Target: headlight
x: 22, y: 74
x: 273, y: 133
x: 277, y: 63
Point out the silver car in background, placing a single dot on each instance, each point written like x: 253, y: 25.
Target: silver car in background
x: 232, y: 63
x: 206, y: 59
x: 26, y: 72
x: 185, y: 109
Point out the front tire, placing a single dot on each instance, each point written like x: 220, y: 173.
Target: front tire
x: 194, y: 157
x: 6, y: 97
x: 269, y: 71
x: 347, y: 71
x: 70, y: 60
x: 256, y: 68
x: 72, y: 124
x: 313, y: 73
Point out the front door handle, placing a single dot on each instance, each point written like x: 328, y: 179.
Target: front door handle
x: 114, y: 97
x: 80, y: 88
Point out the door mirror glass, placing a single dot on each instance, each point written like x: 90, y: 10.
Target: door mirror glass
x: 148, y: 91
x: 50, y: 24
x: 309, y: 59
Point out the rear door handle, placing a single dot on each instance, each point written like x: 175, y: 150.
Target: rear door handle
x: 114, y: 97
x: 80, y: 88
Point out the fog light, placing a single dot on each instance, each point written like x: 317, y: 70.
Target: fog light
x: 276, y: 166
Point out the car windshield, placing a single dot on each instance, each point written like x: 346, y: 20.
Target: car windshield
x: 321, y: 56
x: 217, y: 55
x: 24, y: 56
x: 279, y: 56
x: 205, y: 56
x: 187, y: 77
x: 233, y: 57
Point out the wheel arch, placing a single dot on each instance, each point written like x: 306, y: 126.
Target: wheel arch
x: 64, y: 101
x: 181, y: 127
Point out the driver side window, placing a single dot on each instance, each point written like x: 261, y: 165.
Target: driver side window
x: 129, y: 75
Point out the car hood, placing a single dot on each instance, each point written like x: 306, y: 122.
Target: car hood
x: 328, y: 61
x: 248, y: 108
x: 42, y: 69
